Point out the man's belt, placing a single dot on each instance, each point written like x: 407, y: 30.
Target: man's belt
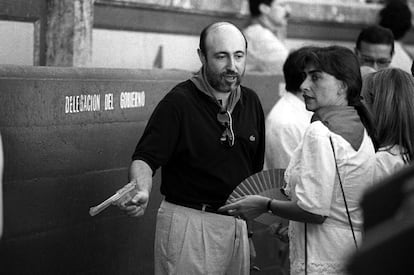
x: 198, y: 206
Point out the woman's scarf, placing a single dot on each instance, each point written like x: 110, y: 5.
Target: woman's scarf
x: 344, y: 121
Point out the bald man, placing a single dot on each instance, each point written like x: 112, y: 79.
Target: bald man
x: 207, y: 134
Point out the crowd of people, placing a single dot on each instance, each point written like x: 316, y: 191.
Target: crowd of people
x: 345, y: 122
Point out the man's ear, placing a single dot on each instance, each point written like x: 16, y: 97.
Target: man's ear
x: 201, y: 56
x: 264, y: 9
x: 343, y: 88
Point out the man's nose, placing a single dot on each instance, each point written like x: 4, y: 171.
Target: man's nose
x: 231, y: 64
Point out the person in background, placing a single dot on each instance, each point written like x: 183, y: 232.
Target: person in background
x: 285, y: 126
x: 288, y: 119
x: 267, y: 51
x: 389, y: 94
x: 208, y: 135
x: 336, y: 151
x: 375, y: 47
x: 396, y: 16
x: 1, y: 187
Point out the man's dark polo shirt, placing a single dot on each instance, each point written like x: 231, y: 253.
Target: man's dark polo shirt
x: 183, y: 137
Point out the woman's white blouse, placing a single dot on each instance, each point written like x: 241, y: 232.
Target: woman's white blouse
x: 314, y: 183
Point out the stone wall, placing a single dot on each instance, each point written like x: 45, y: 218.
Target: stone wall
x: 68, y: 136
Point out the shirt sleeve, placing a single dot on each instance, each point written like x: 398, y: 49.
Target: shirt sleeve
x: 160, y: 135
x: 315, y: 186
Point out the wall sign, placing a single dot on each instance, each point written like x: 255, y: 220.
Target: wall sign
x: 103, y: 102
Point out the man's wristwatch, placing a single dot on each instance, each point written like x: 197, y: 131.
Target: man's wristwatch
x: 269, y: 206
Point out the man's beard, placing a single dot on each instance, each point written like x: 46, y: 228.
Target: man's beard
x: 219, y: 82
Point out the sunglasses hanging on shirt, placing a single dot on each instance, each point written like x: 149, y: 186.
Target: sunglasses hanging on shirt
x: 224, y: 118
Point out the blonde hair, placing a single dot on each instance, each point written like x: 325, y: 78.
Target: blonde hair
x: 389, y: 95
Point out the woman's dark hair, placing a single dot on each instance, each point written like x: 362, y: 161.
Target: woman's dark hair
x: 343, y: 64
x: 293, y: 69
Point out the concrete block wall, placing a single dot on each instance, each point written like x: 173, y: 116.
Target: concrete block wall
x: 68, y: 135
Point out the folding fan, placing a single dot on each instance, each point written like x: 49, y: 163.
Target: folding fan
x: 267, y: 183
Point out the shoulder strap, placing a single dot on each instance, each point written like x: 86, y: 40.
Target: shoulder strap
x: 347, y: 212
x: 343, y: 194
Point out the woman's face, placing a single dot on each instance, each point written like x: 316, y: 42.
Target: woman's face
x: 321, y: 89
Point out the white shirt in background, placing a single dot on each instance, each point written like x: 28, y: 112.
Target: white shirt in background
x: 265, y: 51
x: 401, y: 59
x: 286, y: 124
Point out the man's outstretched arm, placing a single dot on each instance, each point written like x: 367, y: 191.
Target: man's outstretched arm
x: 135, y: 202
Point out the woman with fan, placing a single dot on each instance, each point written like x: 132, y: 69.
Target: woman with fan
x: 330, y: 169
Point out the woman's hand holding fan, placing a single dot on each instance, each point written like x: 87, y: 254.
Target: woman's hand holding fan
x: 267, y: 183
x: 248, y: 207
